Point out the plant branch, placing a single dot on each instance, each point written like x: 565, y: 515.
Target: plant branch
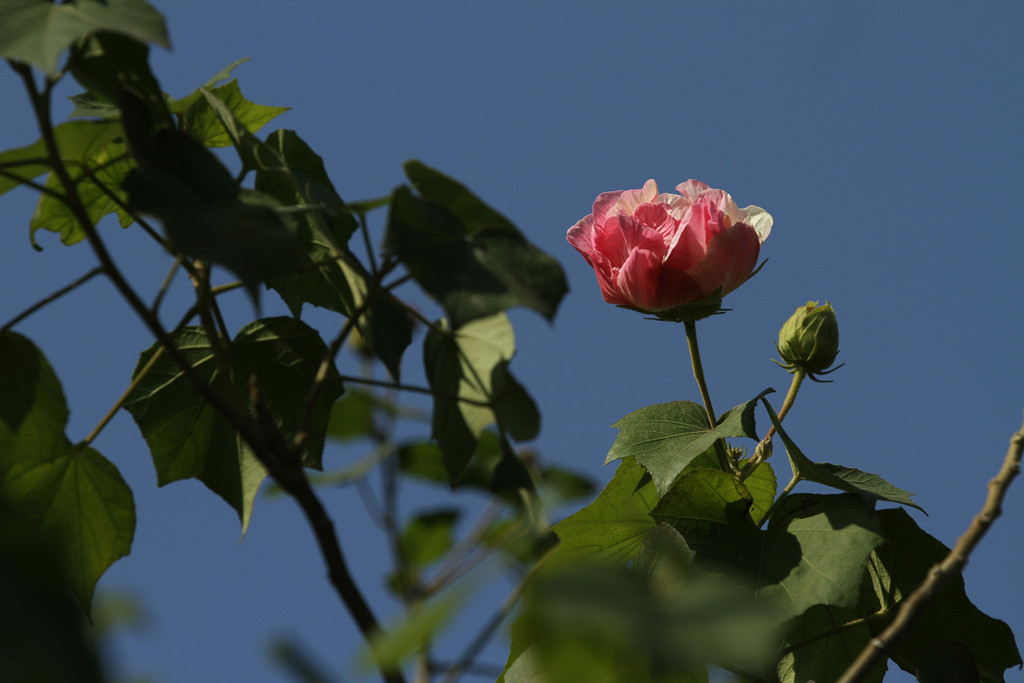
x: 51, y: 298
x: 911, y: 607
x: 252, y: 432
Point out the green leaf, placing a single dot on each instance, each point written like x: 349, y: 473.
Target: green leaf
x: 73, y: 496
x: 294, y: 174
x: 705, y: 501
x: 113, y: 68
x: 180, y: 182
x: 352, y: 415
x: 762, y: 486
x: 77, y: 142
x: 565, y: 486
x: 400, y: 641
x: 468, y: 370
x: 428, y: 536
x: 612, y: 528
x: 180, y: 105
x: 814, y: 550
x: 205, y: 123
x: 665, y: 438
x: 902, y: 564
x: 189, y: 438
x: 38, y: 31
x: 588, y: 620
x: 111, y: 165
x: 948, y: 661
x: 868, y: 486
x: 824, y: 658
x: 45, y: 639
x: 465, y: 255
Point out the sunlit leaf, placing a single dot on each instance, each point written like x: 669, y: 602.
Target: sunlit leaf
x: 612, y: 528
x: 665, y: 438
x: 77, y: 141
x: 203, y: 122
x: 74, y: 497
x: 112, y: 165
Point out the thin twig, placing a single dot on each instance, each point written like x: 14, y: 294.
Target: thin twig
x: 911, y: 607
x: 124, y: 397
x: 51, y: 298
x: 28, y: 182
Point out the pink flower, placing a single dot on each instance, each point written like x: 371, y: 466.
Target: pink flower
x: 657, y: 253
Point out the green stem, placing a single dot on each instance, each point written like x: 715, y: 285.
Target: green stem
x: 763, y: 449
x: 698, y: 373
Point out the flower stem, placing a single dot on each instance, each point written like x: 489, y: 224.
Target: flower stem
x: 698, y: 374
x: 764, y: 448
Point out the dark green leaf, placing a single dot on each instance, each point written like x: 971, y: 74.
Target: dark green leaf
x: 665, y: 438
x: 902, y: 564
x: 38, y: 31
x: 813, y: 656
x: 948, y: 661
x: 188, y: 437
x: 112, y: 67
x: 436, y: 187
x: 468, y: 370
x: 813, y: 552
x: 44, y: 637
x: 294, y: 174
x: 180, y: 182
x: 74, y: 497
x: 465, y: 255
x: 870, y: 487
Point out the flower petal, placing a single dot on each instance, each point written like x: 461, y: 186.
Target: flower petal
x: 656, y: 217
x: 639, y: 278
x: 630, y: 199
x: 731, y: 258
x: 581, y: 236
x: 691, y: 189
x: 760, y: 220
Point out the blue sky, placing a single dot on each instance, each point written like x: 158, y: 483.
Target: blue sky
x: 884, y: 138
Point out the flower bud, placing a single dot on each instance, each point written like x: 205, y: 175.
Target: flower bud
x: 809, y: 340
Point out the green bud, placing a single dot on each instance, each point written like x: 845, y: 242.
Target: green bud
x: 809, y: 340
